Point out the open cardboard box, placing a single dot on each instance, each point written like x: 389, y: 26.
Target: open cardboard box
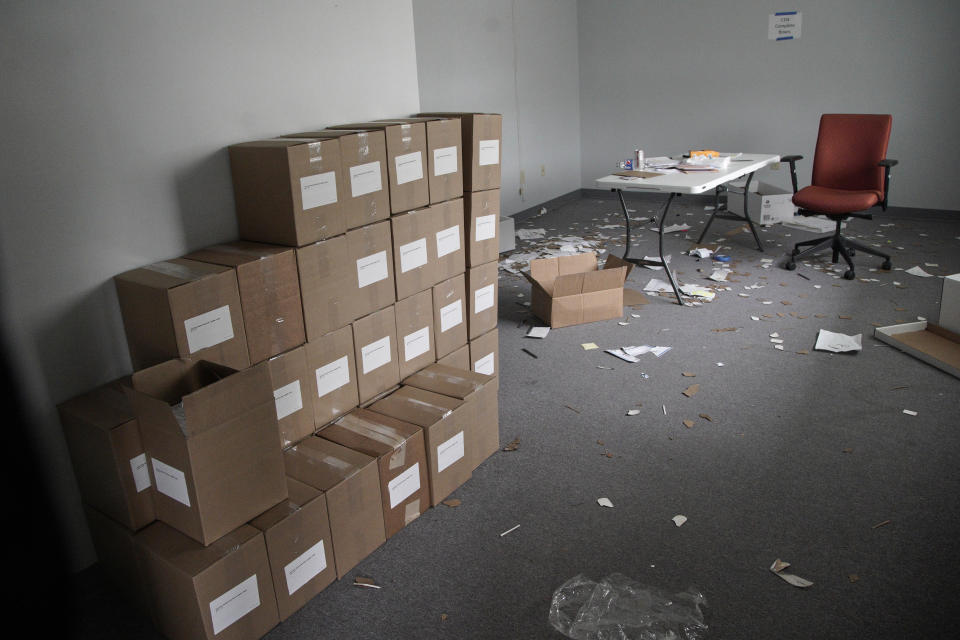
x: 926, y: 341
x: 570, y: 290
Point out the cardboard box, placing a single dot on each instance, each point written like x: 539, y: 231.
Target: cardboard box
x: 449, y: 315
x: 571, y: 290
x: 415, y: 332
x: 451, y: 249
x: 406, y: 162
x: 109, y: 462
x: 766, y: 203
x: 365, y: 198
x: 351, y: 482
x: 222, y: 591
x: 479, y: 394
x: 375, y: 352
x: 182, y: 309
x: 117, y: 558
x: 459, y: 358
x: 482, y: 299
x: 446, y: 432
x: 299, y: 546
x: 288, y: 190
x: 294, y: 390
x: 210, y: 435
x: 508, y: 234
x: 414, y: 251
x: 332, y: 362
x: 482, y: 218
x: 401, y: 459
x: 444, y: 157
x: 950, y: 303
x: 485, y: 353
x: 346, y: 278
x: 482, y: 135
x: 933, y: 344
x: 269, y: 294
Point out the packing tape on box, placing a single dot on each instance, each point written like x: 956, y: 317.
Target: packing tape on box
x: 336, y: 462
x: 411, y: 512
x: 363, y: 148
x: 442, y: 411
x: 175, y: 270
x: 398, y: 458
x: 451, y: 378
x: 316, y: 157
x: 379, y: 432
x: 180, y: 415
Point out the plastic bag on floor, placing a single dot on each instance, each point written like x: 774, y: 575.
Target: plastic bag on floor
x: 618, y: 608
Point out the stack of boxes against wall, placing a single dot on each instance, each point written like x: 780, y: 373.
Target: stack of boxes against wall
x: 302, y: 394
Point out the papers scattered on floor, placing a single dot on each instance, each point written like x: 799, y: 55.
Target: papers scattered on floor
x: 701, y: 252
x: 530, y: 234
x: 656, y: 259
x: 837, y: 342
x: 779, y: 565
x: 538, y: 332
x: 698, y: 291
x: 719, y: 275
x: 656, y: 285
x: 917, y: 271
x: 631, y: 354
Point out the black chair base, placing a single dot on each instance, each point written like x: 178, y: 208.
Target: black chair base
x: 841, y: 246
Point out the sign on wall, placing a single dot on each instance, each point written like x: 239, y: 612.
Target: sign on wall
x: 784, y: 25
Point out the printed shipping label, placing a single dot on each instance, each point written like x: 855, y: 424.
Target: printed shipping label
x: 409, y: 167
x: 413, y: 255
x: 485, y: 364
x: 372, y: 268
x: 448, y: 240
x: 483, y: 299
x: 318, y: 190
x: 305, y: 566
x: 234, y: 604
x: 404, y: 485
x: 331, y: 377
x: 416, y: 344
x: 141, y: 475
x: 171, y: 482
x: 376, y: 354
x: 444, y: 161
x: 451, y: 315
x: 208, y: 329
x: 288, y: 399
x: 486, y: 228
x: 365, y: 178
x: 449, y: 452
x: 489, y: 152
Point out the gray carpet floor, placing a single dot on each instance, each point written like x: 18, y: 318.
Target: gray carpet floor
x: 805, y: 456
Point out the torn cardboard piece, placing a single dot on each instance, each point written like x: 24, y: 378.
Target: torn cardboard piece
x: 779, y: 565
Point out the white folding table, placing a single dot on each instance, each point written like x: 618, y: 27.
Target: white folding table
x: 692, y: 182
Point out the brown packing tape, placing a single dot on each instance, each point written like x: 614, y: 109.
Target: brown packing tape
x: 411, y: 512
x: 315, y: 154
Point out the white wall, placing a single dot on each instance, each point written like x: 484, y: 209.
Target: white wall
x: 673, y: 76
x: 518, y: 58
x: 116, y: 114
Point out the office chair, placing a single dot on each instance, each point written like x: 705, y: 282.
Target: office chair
x: 850, y: 175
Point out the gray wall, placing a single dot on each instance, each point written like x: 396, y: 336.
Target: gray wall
x: 116, y: 114
x: 673, y: 76
x: 516, y: 58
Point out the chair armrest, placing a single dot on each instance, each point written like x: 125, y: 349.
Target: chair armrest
x: 887, y: 164
x: 793, y: 168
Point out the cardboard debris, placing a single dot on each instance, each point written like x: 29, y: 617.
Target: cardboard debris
x: 687, y: 374
x: 513, y: 446
x: 691, y: 390
x: 634, y: 298
x: 881, y: 524
x: 706, y: 417
x: 779, y: 565
x: 452, y: 502
x: 574, y: 409
x: 360, y: 581
x: 688, y: 424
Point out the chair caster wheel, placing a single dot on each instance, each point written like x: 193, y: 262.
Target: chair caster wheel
x: 790, y: 266
x: 851, y: 251
x: 849, y: 274
x: 795, y: 252
x: 887, y: 265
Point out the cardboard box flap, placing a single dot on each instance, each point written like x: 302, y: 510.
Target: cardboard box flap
x: 233, y: 254
x: 298, y: 494
x: 604, y: 279
x: 545, y: 271
x: 613, y: 262
x: 450, y: 381
x: 189, y: 556
x: 279, y: 143
x: 104, y: 408
x: 168, y: 274
x: 326, y: 463
x: 569, y: 284
x: 417, y: 406
x: 577, y: 263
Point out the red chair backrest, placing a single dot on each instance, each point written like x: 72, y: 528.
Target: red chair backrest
x: 849, y: 148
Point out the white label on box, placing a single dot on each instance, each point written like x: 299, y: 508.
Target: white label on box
x: 171, y: 482
x: 376, y: 354
x: 331, y: 377
x: 489, y: 152
x: 141, y: 475
x: 409, y: 167
x: 486, y: 228
x: 448, y: 240
x: 365, y: 178
x: 416, y: 344
x: 318, y: 190
x: 483, y: 299
x: 372, y: 268
x: 234, y: 604
x: 305, y: 566
x: 208, y: 329
x: 288, y: 399
x: 449, y: 452
x: 413, y: 255
x: 404, y: 485
x: 451, y: 315
x: 485, y: 364
x: 444, y: 161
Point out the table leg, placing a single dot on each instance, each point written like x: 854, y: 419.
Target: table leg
x: 726, y: 214
x: 641, y: 261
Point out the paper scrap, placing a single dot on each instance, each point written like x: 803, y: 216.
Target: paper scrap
x: 530, y: 234
x: 909, y: 412
x: 779, y: 565
x: 360, y: 581
x: 633, y: 412
x: 837, y: 342
x: 655, y: 286
x: 587, y: 346
x: 719, y: 275
x: 538, y: 332
x: 604, y: 502
x: 620, y: 353
x: 679, y: 519
x: 701, y: 252
x: 509, y: 530
x: 917, y: 271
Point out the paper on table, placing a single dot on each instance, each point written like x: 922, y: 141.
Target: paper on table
x: 538, y: 332
x: 837, y: 342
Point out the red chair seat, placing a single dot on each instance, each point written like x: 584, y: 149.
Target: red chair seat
x: 835, y: 201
